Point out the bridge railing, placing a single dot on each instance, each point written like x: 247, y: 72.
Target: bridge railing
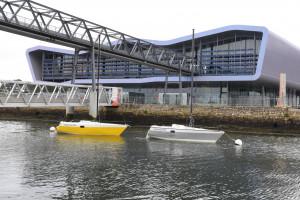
x: 29, y: 94
x: 21, y: 16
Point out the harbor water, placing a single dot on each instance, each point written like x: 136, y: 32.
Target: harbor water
x: 37, y: 164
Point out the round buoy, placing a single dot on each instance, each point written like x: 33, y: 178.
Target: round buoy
x: 238, y: 142
x: 52, y: 129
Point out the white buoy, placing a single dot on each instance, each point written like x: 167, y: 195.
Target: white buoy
x: 52, y: 129
x: 238, y: 142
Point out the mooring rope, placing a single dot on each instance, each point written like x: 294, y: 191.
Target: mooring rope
x: 229, y: 137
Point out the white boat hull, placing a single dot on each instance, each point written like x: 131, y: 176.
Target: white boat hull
x: 184, y: 133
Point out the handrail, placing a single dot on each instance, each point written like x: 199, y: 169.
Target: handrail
x: 43, y: 94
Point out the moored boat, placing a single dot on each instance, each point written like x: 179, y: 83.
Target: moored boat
x: 91, y: 128
x: 184, y: 133
x: 181, y: 132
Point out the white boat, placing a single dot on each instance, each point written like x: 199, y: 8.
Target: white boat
x: 184, y: 133
x: 91, y: 128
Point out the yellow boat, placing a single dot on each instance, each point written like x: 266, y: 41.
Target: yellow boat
x: 91, y: 128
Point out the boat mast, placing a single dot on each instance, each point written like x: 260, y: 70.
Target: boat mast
x: 98, y: 110
x: 191, y: 124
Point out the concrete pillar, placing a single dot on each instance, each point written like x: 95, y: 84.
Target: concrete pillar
x: 294, y: 98
x: 263, y: 95
x: 289, y: 97
x: 93, y: 111
x: 228, y: 96
x: 70, y: 109
x: 220, y: 94
x: 74, y: 66
x: 180, y: 88
x: 70, y: 113
x: 93, y: 69
x: 166, y: 86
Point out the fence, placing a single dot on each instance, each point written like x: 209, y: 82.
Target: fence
x: 236, y: 101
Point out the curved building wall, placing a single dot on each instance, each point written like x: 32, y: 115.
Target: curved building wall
x: 223, y: 54
x: 35, y: 57
x: 281, y: 57
x: 274, y: 56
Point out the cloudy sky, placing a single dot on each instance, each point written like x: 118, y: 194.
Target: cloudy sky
x: 158, y: 20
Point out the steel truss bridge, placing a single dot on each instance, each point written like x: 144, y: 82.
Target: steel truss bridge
x: 35, y: 94
x: 31, y: 19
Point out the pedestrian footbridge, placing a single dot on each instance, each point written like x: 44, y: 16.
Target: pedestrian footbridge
x: 31, y: 19
x: 35, y: 94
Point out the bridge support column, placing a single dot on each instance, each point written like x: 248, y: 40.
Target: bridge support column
x: 263, y: 95
x: 93, y: 69
x: 70, y: 109
x: 70, y: 113
x: 166, y: 86
x: 74, y: 66
x: 93, y: 106
x: 180, y: 88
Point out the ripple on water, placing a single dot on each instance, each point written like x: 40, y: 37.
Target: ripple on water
x: 35, y: 164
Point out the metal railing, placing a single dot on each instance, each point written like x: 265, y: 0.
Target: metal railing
x: 215, y: 101
x: 33, y: 94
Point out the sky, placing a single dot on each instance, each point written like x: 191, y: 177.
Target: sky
x: 157, y: 20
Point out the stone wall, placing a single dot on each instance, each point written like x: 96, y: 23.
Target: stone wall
x: 258, y: 117
x: 135, y: 115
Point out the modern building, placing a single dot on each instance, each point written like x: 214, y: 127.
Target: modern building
x: 237, y: 65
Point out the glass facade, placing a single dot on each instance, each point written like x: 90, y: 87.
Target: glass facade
x: 210, y: 93
x: 228, y: 53
x: 232, y: 54
x: 58, y: 67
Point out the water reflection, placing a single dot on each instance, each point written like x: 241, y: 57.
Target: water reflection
x: 65, y: 139
x: 74, y: 165
x: 177, y: 148
x: 238, y: 150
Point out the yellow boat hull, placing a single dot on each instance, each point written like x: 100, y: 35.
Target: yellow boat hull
x: 90, y: 129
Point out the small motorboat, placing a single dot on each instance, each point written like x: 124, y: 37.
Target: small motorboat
x: 184, y: 133
x: 91, y: 128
